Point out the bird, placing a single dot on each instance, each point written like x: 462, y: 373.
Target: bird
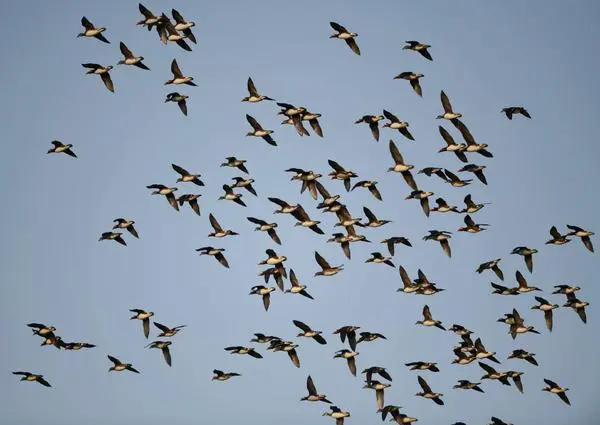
x: 442, y: 237
x: 428, y: 393
x: 218, y: 230
x: 288, y: 347
x: 75, y: 346
x: 164, y: 347
x: 313, y: 395
x: 422, y: 366
x: 376, y: 257
x: 297, y: 288
x: 31, y: 377
x: 413, y: 78
x: 379, y: 388
x: 254, y: 96
x: 122, y: 223
x: 41, y: 330
x: 167, y: 332
x: 184, y: 26
x: 401, y: 167
x: 371, y: 185
x: 464, y: 384
x: 577, y: 305
x: 512, y: 110
x: 340, y: 173
x: 103, y: 71
x: 448, y: 114
x: 259, y: 131
x: 130, y: 58
x: 115, y: 236
x: 423, y: 197
x: 150, y: 19
x: 349, y: 355
x: 482, y: 353
x: 472, y: 207
x: 59, y: 147
x: 472, y: 145
x: 373, y: 121
x: 167, y: 192
x: 313, y: 120
x: 337, y: 414
x: 443, y: 207
x: 477, y: 170
x: 493, y: 374
x: 428, y: 319
x: 167, y: 32
x: 493, y: 266
x: 408, y: 286
x: 369, y: 337
x: 295, y: 115
x: 454, y: 180
x: 120, y: 366
x: 245, y: 183
x: 391, y: 243
x: 144, y: 316
x: 284, y: 207
x: 305, y: 221
x: 527, y: 254
x: 343, y: 34
x: 223, y: 376
x: 459, y: 149
x: 516, y: 378
x: 519, y: 327
x: 523, y: 355
x: 471, y: 226
x: 265, y: 292
x: 557, y: 238
x: 554, y: 388
x: 186, y: 176
x: 327, y: 270
x: 523, y: 287
x: 238, y: 349
x: 309, y: 333
x: 349, y: 332
x: 583, y: 234
x: 232, y: 161
x: 397, y: 124
x: 263, y: 226
x: 178, y: 77
x: 192, y: 200
x: 180, y: 99
x: 418, y: 47
x: 230, y: 196
x: 92, y: 31
x: 373, y: 220
x: 214, y: 252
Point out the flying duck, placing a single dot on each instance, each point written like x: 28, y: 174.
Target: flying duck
x: 150, y: 18
x: 219, y: 232
x: 144, y: 316
x: 31, y: 377
x: 238, y: 349
x: 167, y: 32
x: 408, y: 286
x: 274, y: 260
x: 337, y: 414
x: 451, y: 146
x: 277, y: 274
x: 516, y: 378
x: 422, y: 366
x: 512, y: 110
x: 215, y: 252
x: 59, y: 147
x: 370, y: 371
x: 496, y: 421
x: 428, y: 319
x: 422, y: 196
x: 418, y: 47
x: 370, y: 337
x: 115, y: 236
x: 295, y: 115
x: 164, y: 347
x: 454, y: 180
x: 263, y: 226
x: 120, y: 366
x: 259, y: 131
x: 557, y: 238
x: 565, y: 289
x: 305, y: 221
x: 167, y: 192
x: 343, y: 34
x: 373, y: 220
x: 493, y: 374
x: 261, y: 338
x: 309, y: 333
x: 475, y: 169
x: 223, y: 376
x: 350, y: 358
x: 527, y: 254
x: 493, y: 266
x: 232, y: 161
x: 397, y: 124
x: 448, y: 113
x: 167, y: 332
x: 288, y: 347
x: 391, y: 242
x: 285, y: 208
x: 472, y: 146
x: 429, y: 171
x: 379, y: 388
x: 245, y: 183
x: 327, y: 270
x: 313, y: 120
x: 482, y: 353
x: 443, y: 207
x: 340, y: 173
x: 264, y: 292
x: 350, y: 333
x: 254, y: 96
x: 76, y: 346
x: 428, y: 393
x: 178, y: 77
x: 442, y: 237
x: 55, y: 340
x: 471, y: 226
x: 186, y: 176
x: 460, y: 330
x: 519, y: 327
x: 504, y: 290
x: 125, y: 224
x: 313, y: 395
x: 464, y: 384
x: 577, y: 305
x: 180, y: 99
x: 583, y: 234
x: 41, y: 329
x: 297, y: 288
x: 401, y: 167
x: 184, y: 26
x: 192, y: 200
x: 373, y: 121
x: 472, y: 207
x: 376, y: 257
x: 130, y: 58
x: 371, y: 185
x: 523, y: 355
x: 92, y: 31
x: 554, y: 388
x: 523, y: 287
x: 230, y: 196
x: 413, y: 78
x: 94, y: 68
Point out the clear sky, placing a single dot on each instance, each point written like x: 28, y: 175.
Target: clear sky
x: 487, y: 55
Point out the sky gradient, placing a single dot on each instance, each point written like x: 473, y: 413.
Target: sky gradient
x: 487, y: 55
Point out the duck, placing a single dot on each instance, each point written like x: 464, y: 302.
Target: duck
x: 565, y: 289
x: 180, y: 99
x: 245, y: 183
x: 59, y: 147
x: 408, y: 286
x: 119, y: 366
x: 103, y: 71
x: 422, y: 196
x: 527, y: 254
x: 516, y: 378
x: 464, y: 384
x: 371, y: 185
x: 460, y: 330
x: 167, y: 32
x: 493, y: 374
x: 519, y: 327
x: 458, y: 149
x: 259, y: 131
x: 443, y: 207
x: 178, y: 77
x: 343, y: 34
x: 463, y: 358
x: 482, y: 353
x: 41, y: 329
x: 161, y: 189
x: 192, y: 200
x: 230, y: 196
x: 344, y: 241
x: 391, y: 243
x: 472, y: 207
x: 493, y: 266
x: 349, y: 355
x: 327, y: 270
x: 167, y: 332
x: 297, y: 288
x: 379, y: 388
x: 577, y: 305
x: 305, y: 221
x: 76, y: 346
x: 345, y: 219
x: 122, y: 223
x: 454, y: 180
x: 261, y: 338
x: 340, y: 173
x: 265, y: 292
x: 313, y: 395
x: 337, y: 414
x: 32, y: 377
x: 164, y: 347
x: 309, y: 333
x: 442, y: 237
x: 219, y: 232
x: 184, y: 26
x: 523, y: 355
x: 150, y: 19
x: 369, y: 337
x: 130, y: 58
x: 496, y: 421
x: 232, y: 161
x: 397, y: 417
x: 413, y: 78
x: 472, y: 145
x: 471, y: 226
x: 557, y: 238
x: 223, y: 376
x: 428, y: 393
x: 308, y: 179
x: 186, y: 176
x: 328, y: 199
x: 381, y: 371
x: 373, y: 121
x: 348, y: 331
x: 376, y: 257
x: 554, y: 388
x: 284, y: 207
x: 429, y: 171
x: 313, y: 120
x: 274, y: 260
x: 583, y: 234
x: 373, y: 220
x: 144, y: 316
x: 254, y: 96
x: 428, y: 319
x: 503, y: 290
x: 263, y: 226
x: 214, y: 252
x: 288, y: 347
x: 418, y: 47
x: 448, y: 114
x: 277, y: 274
x: 401, y: 167
x: 92, y: 31
x: 513, y: 110
x: 523, y: 288
x: 114, y: 236
x: 431, y: 366
x: 477, y: 170
x: 397, y: 124
x: 295, y: 115
x: 238, y: 349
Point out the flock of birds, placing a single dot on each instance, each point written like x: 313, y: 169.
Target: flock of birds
x: 468, y: 350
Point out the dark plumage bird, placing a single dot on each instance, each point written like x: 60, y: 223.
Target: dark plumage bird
x: 401, y: 167
x: 428, y: 393
x: 150, y: 19
x: 103, y: 71
x: 254, y: 96
x: 373, y: 121
x: 164, y: 347
x: 313, y: 395
x: 192, y: 200
x: 59, y: 147
x: 178, y: 77
x: 114, y: 236
x: 493, y: 266
x: 413, y: 78
x: 92, y: 31
x: 184, y: 26
x: 350, y: 333
x: 472, y: 145
x: 238, y: 349
x: 166, y: 331
x: 391, y: 242
x: 232, y: 161
x: 263, y: 226
x: 343, y: 34
x: 259, y: 131
x: 31, y: 377
x: 527, y: 254
x: 161, y: 189
x: 186, y: 176
x: 397, y: 124
x: 309, y: 333
x: 214, y: 252
x: 231, y: 196
x: 418, y: 47
x: 340, y: 173
x: 119, y: 366
x: 423, y: 197
x: 475, y: 169
x: 122, y: 223
x: 264, y: 292
x: 144, y: 316
x: 376, y: 257
x: 180, y: 99
x: 223, y: 376
x: 554, y: 388
x: 371, y: 185
x: 512, y: 110
x: 583, y: 234
x: 442, y: 237
x: 130, y: 58
x: 167, y: 32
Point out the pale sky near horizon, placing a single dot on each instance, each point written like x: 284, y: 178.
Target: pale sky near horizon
x: 486, y: 56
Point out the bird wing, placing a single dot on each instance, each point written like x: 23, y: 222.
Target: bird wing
x: 338, y: 27
x: 424, y: 384
x: 214, y: 223
x: 464, y: 131
x: 445, y: 102
x: 252, y: 88
x: 301, y: 325
x: 126, y: 52
x: 175, y: 69
x: 252, y: 121
x: 321, y: 261
x: 396, y: 155
x: 180, y: 170
x: 311, y: 386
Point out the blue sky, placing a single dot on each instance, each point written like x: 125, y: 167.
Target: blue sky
x: 486, y: 56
